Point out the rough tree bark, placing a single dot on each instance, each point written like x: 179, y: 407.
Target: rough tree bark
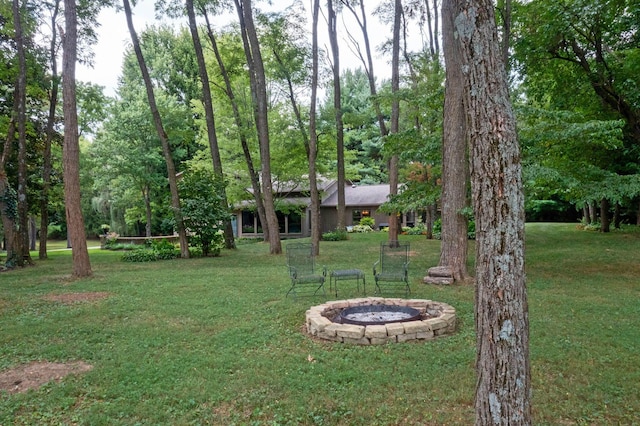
x: 455, y: 169
x: 162, y: 135
x: 22, y: 243
x: 502, y: 321
x: 209, y: 117
x: 71, y: 146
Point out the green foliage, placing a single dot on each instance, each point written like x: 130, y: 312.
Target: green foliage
x: 359, y: 229
x: 10, y: 200
x: 368, y: 221
x: 152, y: 251
x: 337, y: 235
x: 203, y: 209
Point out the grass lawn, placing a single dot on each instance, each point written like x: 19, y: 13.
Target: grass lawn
x: 214, y: 341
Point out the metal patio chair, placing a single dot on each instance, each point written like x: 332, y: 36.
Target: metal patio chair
x: 304, y: 275
x: 391, y: 272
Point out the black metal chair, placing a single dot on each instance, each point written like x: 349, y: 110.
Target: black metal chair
x: 304, y: 275
x: 391, y: 272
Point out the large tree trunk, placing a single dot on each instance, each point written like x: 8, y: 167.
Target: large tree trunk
x: 337, y: 106
x: 503, y: 393
x: 209, y: 118
x: 22, y: 247
x: 164, y: 140
x: 253, y: 175
x: 71, y: 146
x: 394, y: 226
x: 455, y: 169
x: 51, y: 119
x: 316, y: 232
x: 259, y: 95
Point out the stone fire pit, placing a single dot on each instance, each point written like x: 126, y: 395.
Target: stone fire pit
x: 436, y: 319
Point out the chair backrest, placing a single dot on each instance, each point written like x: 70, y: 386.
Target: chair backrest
x: 394, y: 256
x: 300, y: 256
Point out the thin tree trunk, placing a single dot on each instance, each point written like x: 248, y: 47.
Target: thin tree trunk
x: 337, y: 106
x: 316, y: 232
x: 394, y: 226
x: 455, y: 169
x: 8, y: 199
x: 71, y: 147
x: 368, y: 63
x: 503, y: 392
x: 605, y: 222
x: 253, y: 175
x: 51, y: 119
x: 259, y: 97
x: 164, y: 140
x: 146, y: 194
x: 209, y: 118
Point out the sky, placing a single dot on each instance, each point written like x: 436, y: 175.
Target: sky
x: 113, y: 39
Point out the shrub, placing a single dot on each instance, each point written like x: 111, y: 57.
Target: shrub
x: 367, y: 221
x: 153, y: 250
x: 337, y: 235
x: 361, y: 228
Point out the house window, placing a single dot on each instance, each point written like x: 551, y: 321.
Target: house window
x: 251, y: 223
x: 359, y: 214
x: 290, y: 223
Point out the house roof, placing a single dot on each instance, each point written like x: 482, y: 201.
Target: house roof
x: 365, y: 196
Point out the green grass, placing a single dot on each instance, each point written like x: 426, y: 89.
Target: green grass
x: 214, y: 341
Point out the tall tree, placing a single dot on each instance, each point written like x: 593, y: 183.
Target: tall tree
x: 337, y: 107
x: 22, y: 244
x: 240, y: 124
x: 259, y: 97
x: 455, y: 169
x: 503, y: 393
x: 47, y: 164
x: 395, y: 115
x: 313, y: 135
x: 164, y: 140
x: 71, y: 147
x: 209, y: 117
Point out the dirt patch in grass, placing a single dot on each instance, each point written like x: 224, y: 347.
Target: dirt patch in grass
x: 70, y: 298
x: 35, y: 374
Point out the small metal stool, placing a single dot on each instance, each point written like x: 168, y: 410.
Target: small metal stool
x: 347, y: 274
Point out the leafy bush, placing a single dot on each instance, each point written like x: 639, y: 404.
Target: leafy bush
x: 337, y: 235
x: 367, y: 221
x: 164, y: 249
x: 141, y: 254
x: 111, y: 241
x: 204, y: 209
x: 471, y: 229
x: 360, y: 228
x: 153, y: 250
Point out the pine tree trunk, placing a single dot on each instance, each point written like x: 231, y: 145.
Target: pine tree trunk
x: 455, y: 169
x: 503, y: 393
x: 71, y: 147
x: 394, y: 226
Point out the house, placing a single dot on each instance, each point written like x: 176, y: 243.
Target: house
x: 293, y: 209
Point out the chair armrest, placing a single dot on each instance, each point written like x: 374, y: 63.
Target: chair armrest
x: 324, y: 270
x: 375, y: 266
x: 293, y: 273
